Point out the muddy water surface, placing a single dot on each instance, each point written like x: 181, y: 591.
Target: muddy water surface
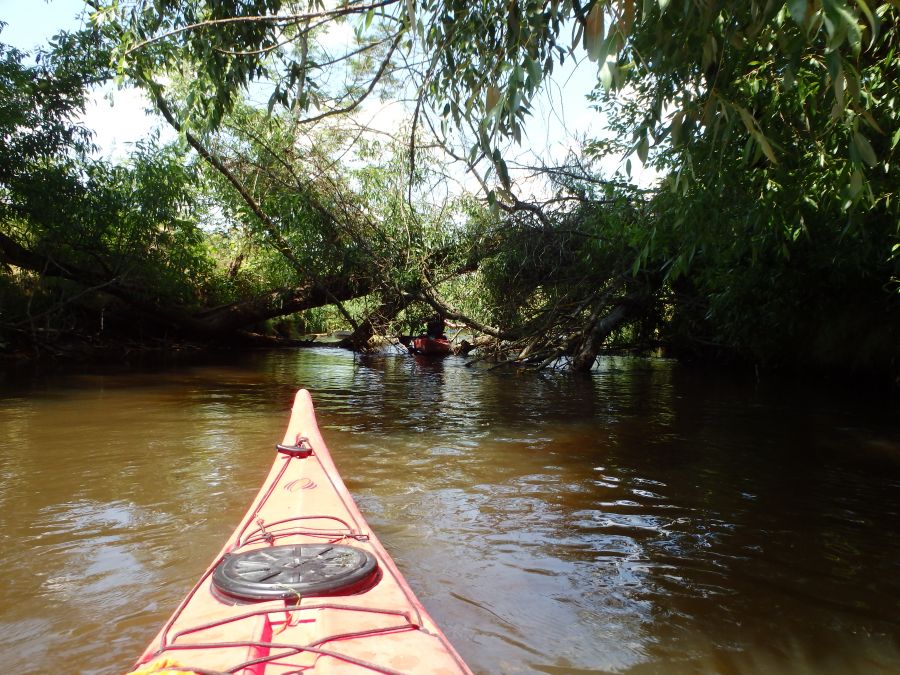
x: 648, y: 519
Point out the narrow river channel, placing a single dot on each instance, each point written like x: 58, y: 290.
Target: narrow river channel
x: 649, y: 519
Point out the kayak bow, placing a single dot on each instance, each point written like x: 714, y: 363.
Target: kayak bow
x: 303, y: 585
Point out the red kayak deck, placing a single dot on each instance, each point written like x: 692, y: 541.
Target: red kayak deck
x: 302, y: 533
x: 430, y: 346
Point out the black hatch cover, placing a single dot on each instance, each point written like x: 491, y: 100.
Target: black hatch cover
x: 291, y: 571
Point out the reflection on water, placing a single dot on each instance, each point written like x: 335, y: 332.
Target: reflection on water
x: 647, y: 519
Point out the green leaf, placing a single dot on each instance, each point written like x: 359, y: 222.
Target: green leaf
x: 854, y: 34
x: 873, y: 23
x: 662, y: 5
x: 841, y: 25
x: 840, y: 83
x: 710, y: 51
x: 854, y: 153
x: 766, y: 147
x: 747, y: 119
x: 577, y: 33
x: 492, y: 98
x: 643, y: 148
x: 502, y: 172
x: 866, y: 152
x: 606, y: 75
x: 593, y: 32
x: 856, y: 183
x: 675, y: 127
x: 534, y: 71
x: 867, y: 116
x: 483, y: 140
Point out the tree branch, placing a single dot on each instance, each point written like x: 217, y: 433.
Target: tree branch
x: 269, y: 18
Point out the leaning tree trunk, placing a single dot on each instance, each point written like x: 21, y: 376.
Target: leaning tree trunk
x: 376, y: 321
x: 584, y: 351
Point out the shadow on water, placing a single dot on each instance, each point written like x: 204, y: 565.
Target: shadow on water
x: 646, y: 519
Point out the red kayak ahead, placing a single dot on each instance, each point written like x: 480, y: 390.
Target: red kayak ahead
x: 302, y: 586
x: 432, y: 346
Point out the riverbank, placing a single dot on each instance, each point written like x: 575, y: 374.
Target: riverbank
x: 118, y: 345
x: 77, y: 350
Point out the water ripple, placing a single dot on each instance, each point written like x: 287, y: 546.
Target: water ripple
x: 646, y: 519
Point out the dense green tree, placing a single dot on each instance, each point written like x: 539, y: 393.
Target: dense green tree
x: 779, y: 222
x: 266, y: 222
x: 773, y: 236
x: 778, y: 117
x: 71, y: 224
x: 481, y: 63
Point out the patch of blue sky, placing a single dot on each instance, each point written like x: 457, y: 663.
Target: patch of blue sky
x: 118, y: 117
x: 562, y: 117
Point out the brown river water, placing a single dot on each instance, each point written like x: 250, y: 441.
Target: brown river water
x: 647, y: 519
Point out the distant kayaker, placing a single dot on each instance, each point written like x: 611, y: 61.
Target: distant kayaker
x: 435, y: 327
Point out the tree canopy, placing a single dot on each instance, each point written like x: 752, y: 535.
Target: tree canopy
x: 773, y: 235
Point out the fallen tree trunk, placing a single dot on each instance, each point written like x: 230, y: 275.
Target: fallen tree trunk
x: 376, y: 321
x: 221, y: 320
x: 584, y: 351
x: 205, y: 322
